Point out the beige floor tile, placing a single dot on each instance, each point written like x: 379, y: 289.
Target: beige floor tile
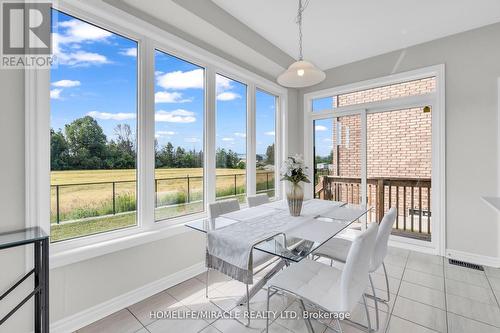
x: 495, y: 282
x: 159, y: 302
x: 392, y: 271
x: 422, y: 314
x: 210, y: 329
x: 425, y: 258
x: 476, y: 293
x: 459, y: 324
x: 466, y: 275
x: 398, y: 325
x: 424, y: 279
x: 490, y: 271
x: 429, y: 268
x: 422, y: 294
x: 379, y: 282
x: 465, y: 307
x: 191, y: 288
x: 119, y: 322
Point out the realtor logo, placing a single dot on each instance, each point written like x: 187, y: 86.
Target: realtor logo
x: 26, y: 35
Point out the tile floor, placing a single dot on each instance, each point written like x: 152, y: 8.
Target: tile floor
x: 427, y: 295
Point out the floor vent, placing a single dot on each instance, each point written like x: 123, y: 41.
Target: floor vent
x: 466, y: 264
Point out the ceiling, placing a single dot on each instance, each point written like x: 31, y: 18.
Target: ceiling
x: 337, y: 32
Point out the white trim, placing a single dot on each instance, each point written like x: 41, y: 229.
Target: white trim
x: 473, y: 258
x: 437, y: 100
x: 251, y: 140
x: 99, y: 311
x: 37, y: 122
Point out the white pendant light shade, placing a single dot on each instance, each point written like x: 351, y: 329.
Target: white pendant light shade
x: 301, y: 74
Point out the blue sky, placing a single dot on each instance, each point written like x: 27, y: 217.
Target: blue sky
x: 96, y: 75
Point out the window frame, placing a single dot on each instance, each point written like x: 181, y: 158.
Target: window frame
x: 437, y: 99
x: 149, y: 38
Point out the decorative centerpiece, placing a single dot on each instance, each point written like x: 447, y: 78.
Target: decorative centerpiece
x: 295, y: 172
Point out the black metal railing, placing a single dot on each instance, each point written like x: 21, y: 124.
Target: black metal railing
x: 188, y: 190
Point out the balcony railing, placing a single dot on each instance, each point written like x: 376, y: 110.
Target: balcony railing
x: 411, y: 197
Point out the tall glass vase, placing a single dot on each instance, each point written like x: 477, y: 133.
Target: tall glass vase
x: 295, y: 197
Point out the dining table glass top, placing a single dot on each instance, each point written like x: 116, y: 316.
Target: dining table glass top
x: 320, y: 220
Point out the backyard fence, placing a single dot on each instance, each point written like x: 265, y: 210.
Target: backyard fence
x: 168, y: 192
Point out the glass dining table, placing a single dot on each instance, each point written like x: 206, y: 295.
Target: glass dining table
x: 319, y: 222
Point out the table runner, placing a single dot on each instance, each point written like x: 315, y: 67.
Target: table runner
x: 229, y: 249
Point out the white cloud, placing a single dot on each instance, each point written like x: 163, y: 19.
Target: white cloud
x: 170, y: 97
x: 164, y: 133
x: 55, y: 93
x: 270, y: 133
x: 240, y: 135
x: 111, y: 116
x: 320, y: 128
x: 181, y: 80
x: 66, y: 83
x: 81, y: 58
x: 222, y: 84
x: 227, y: 96
x: 228, y: 139
x: 76, y: 31
x: 130, y: 52
x: 191, y: 140
x: 176, y: 116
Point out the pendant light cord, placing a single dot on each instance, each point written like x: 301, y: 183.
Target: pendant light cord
x: 301, y: 9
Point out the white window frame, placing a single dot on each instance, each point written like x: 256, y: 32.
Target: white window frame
x: 149, y: 38
x: 437, y: 99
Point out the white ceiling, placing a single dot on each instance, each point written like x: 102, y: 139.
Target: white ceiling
x: 171, y: 13
x: 337, y: 32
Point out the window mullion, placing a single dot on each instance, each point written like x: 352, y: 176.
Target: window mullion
x: 251, y: 141
x: 210, y: 125
x: 146, y: 137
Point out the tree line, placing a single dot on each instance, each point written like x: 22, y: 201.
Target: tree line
x: 84, y: 146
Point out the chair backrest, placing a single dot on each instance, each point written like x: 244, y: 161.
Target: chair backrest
x: 384, y: 231
x: 256, y: 200
x: 218, y: 208
x: 355, y: 273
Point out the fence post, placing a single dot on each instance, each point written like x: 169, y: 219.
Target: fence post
x: 156, y: 193
x: 267, y: 181
x: 114, y: 201
x: 57, y: 205
x: 380, y: 199
x: 188, y: 188
x: 234, y: 184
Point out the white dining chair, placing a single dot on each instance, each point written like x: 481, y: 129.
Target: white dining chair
x: 257, y: 200
x: 337, y: 249
x: 327, y: 288
x: 259, y: 258
x: 218, y: 208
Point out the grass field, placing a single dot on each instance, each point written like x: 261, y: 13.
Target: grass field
x: 85, y: 202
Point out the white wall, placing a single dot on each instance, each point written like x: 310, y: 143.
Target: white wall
x: 472, y: 62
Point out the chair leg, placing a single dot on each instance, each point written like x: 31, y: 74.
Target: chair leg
x: 386, y: 284
x: 369, y: 328
x: 340, y: 327
x: 309, y: 326
x: 331, y: 262
x: 375, y: 301
x: 206, y: 284
x: 248, y: 306
x: 267, y: 308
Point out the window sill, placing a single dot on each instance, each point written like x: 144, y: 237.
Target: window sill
x: 62, y: 254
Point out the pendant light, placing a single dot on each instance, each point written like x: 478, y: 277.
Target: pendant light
x: 301, y: 73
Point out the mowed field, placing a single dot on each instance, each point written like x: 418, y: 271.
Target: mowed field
x: 82, y: 192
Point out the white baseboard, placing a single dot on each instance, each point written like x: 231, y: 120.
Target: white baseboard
x: 99, y: 311
x: 473, y: 258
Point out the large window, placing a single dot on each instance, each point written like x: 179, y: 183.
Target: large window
x: 179, y: 111
x: 93, y: 131
x: 265, y: 130
x: 143, y: 132
x: 231, y: 134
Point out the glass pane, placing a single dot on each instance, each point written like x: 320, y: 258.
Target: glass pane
x: 337, y: 154
x: 399, y: 168
x: 265, y: 126
x: 93, y: 129
x: 404, y: 89
x: 322, y: 104
x: 179, y: 107
x: 231, y: 139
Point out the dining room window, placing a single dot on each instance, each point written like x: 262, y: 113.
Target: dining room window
x: 231, y: 138
x: 179, y: 118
